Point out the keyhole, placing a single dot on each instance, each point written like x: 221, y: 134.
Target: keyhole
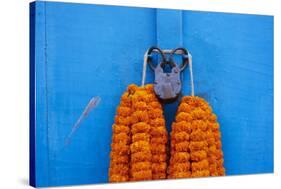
x: 167, y: 68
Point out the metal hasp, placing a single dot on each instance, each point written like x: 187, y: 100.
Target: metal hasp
x: 167, y: 85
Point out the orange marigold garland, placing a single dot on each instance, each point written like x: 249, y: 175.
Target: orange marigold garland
x: 138, y: 149
x: 195, y: 141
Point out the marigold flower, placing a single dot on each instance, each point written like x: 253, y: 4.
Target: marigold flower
x: 120, y: 120
x: 155, y: 113
x: 181, y: 126
x: 220, y: 162
x: 132, y: 88
x: 121, y: 138
x: 119, y: 169
x: 154, y: 105
x: 219, y: 154
x: 140, y: 137
x: 123, y: 111
x: 141, y: 156
x: 197, y: 135
x: 217, y: 135
x: 181, y: 146
x: 120, y: 148
x: 206, y: 107
x: 157, y: 176
x: 198, y: 155
x: 158, y: 132
x: 141, y: 175
x: 125, y: 98
x: 183, y: 116
x: 149, y: 88
x: 142, y: 106
x: 215, y: 127
x: 118, y: 178
x: 186, y: 174
x: 139, y: 116
x: 183, y: 107
x: 199, y: 114
x: 150, y: 98
x: 139, y: 166
x: 197, y: 145
x: 158, y: 140
x: 199, y: 124
x: 180, y: 136
x: 213, y: 169
x: 140, y: 146
x: 124, y: 104
x: 212, y: 159
x: 119, y: 159
x: 120, y: 129
x: 157, y: 149
x: 212, y: 149
x: 159, y: 167
x: 180, y: 167
x: 202, y: 173
x: 180, y: 157
x: 201, y: 165
x: 157, y: 158
x: 213, y: 118
x: 140, y: 127
x: 157, y: 122
x: 139, y: 96
x: 218, y: 144
x: 221, y: 171
x: 186, y: 99
x: 210, y: 138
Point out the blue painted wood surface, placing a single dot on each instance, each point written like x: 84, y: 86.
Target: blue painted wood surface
x: 80, y: 51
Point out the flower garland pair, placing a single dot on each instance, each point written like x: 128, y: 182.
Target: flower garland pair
x: 139, y: 140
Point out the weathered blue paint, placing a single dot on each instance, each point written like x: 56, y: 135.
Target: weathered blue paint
x: 80, y: 51
x: 38, y: 105
x: 169, y: 30
x: 233, y: 70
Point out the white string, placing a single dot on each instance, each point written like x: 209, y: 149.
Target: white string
x: 191, y: 74
x: 144, y: 68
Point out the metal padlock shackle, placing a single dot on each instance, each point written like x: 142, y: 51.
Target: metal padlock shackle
x: 163, y: 56
x: 180, y: 51
x: 187, y: 60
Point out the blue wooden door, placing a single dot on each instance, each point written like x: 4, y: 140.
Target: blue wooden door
x: 79, y: 51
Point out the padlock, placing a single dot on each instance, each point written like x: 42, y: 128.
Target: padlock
x: 167, y: 85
